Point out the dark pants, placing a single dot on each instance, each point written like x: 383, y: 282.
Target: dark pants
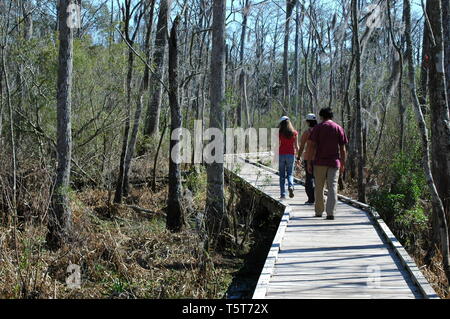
x: 309, y: 184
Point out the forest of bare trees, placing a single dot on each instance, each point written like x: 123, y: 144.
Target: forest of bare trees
x: 93, y: 94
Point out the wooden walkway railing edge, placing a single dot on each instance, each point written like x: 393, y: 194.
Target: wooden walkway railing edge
x: 407, y: 261
x: 269, y: 265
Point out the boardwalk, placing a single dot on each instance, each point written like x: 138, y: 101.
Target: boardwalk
x: 345, y: 258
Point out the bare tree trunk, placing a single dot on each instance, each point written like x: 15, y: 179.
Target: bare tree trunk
x: 398, y: 59
x: 132, y: 142
x: 331, y: 80
x: 438, y: 208
x: 401, y: 108
x: 11, y: 133
x: 446, y: 26
x: 242, y: 83
x: 290, y: 4
x: 215, y: 204
x: 272, y: 65
x: 154, y: 108
x: 358, y: 128
x: 60, y: 219
x: 147, y: 50
x: 1, y: 110
x: 423, y: 85
x: 440, y: 130
x: 122, y: 179
x: 139, y: 104
x: 175, y: 214
x: 297, y: 56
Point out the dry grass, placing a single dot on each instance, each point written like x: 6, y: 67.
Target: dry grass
x: 122, y: 254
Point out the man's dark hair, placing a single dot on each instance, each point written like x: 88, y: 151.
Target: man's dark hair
x: 326, y: 113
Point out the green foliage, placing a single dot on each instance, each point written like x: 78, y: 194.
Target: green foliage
x: 119, y: 286
x: 398, y: 201
x: 196, y: 181
x: 386, y: 204
x: 408, y: 180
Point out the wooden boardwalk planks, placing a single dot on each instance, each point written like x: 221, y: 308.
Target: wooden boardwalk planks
x: 315, y: 258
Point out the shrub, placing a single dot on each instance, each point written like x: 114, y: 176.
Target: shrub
x: 407, y: 178
x: 398, y: 201
x: 386, y: 204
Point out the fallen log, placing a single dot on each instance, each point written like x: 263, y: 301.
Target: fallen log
x: 143, y: 210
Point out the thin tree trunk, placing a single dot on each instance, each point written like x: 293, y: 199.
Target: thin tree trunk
x: 175, y: 214
x: 215, y: 204
x: 139, y: 104
x: 1, y: 110
x: 438, y: 208
x: 296, y: 62
x: 11, y: 135
x: 155, y: 160
x: 358, y: 128
x: 122, y: 179
x: 243, y: 100
x: 423, y: 85
x: 440, y: 130
x: 132, y: 142
x: 123, y: 156
x: 147, y: 43
x: 446, y: 26
x: 60, y: 221
x: 290, y: 4
x: 401, y: 108
x: 154, y: 108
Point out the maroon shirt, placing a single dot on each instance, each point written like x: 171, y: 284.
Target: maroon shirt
x: 328, y: 136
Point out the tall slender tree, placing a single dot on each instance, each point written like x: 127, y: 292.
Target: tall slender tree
x: 423, y: 84
x: 446, y: 35
x: 130, y: 12
x: 175, y: 214
x: 215, y: 205
x: 60, y: 219
x: 139, y: 103
x: 151, y: 126
x: 290, y: 5
x: 358, y: 124
x: 243, y: 104
x: 440, y: 117
x: 438, y: 207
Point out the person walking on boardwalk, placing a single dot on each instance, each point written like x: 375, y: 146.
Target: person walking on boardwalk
x: 307, y: 155
x: 288, y: 147
x: 328, y: 142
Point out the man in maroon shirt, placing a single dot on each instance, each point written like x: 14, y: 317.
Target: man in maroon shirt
x: 328, y: 142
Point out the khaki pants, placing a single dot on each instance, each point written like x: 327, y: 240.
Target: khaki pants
x: 331, y: 175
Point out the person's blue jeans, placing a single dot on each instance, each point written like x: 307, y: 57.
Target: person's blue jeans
x: 286, y: 168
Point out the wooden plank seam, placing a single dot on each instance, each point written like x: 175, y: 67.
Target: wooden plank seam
x: 408, y: 263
